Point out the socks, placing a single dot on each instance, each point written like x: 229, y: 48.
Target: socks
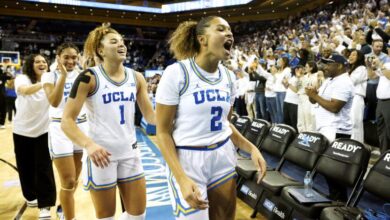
x: 127, y: 216
x: 108, y: 218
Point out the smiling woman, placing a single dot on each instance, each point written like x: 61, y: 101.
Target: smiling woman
x: 109, y: 91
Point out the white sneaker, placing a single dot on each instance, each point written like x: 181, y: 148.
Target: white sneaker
x: 44, y: 213
x: 2, y: 126
x: 32, y: 203
x: 60, y: 213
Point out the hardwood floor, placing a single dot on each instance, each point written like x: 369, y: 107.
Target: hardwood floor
x: 11, y: 198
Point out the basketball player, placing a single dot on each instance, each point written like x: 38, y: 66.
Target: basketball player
x: 194, y: 104
x: 66, y: 156
x: 109, y: 91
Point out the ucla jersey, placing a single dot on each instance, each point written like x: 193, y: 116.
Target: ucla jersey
x: 204, y: 105
x: 56, y: 113
x: 110, y: 110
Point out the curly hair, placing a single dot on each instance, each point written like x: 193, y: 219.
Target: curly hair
x: 93, y: 41
x: 28, y: 67
x: 65, y: 45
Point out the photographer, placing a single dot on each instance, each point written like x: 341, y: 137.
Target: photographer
x: 372, y: 84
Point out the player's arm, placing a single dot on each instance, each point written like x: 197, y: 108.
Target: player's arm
x: 165, y: 115
x: 55, y: 91
x: 245, y: 145
x: 83, y: 85
x: 143, y: 100
x: 29, y: 89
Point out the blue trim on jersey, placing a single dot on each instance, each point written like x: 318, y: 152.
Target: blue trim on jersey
x: 96, y: 81
x: 179, y: 208
x: 230, y: 175
x: 91, y: 184
x: 205, y: 148
x: 186, y: 79
x: 199, y: 74
x: 112, y: 81
x: 134, y: 76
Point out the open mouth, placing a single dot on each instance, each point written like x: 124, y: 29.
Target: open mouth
x: 228, y: 45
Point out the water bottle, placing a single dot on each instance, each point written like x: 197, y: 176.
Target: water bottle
x: 308, y: 182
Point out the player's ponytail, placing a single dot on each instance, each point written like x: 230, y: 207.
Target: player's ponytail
x: 184, y: 42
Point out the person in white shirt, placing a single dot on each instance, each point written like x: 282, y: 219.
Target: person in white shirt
x: 194, y: 106
x: 109, y: 91
x: 334, y: 100
x: 30, y: 137
x: 270, y: 94
x: 290, y: 107
x: 284, y: 71
x: 358, y: 75
x: 308, y: 78
x: 382, y: 71
x: 66, y: 156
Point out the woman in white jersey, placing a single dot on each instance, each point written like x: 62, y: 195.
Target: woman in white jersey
x: 109, y: 91
x: 30, y: 129
x: 66, y: 156
x: 359, y: 77
x: 194, y: 104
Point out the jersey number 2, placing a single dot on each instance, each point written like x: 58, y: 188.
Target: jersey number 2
x: 216, y: 124
x: 122, y: 111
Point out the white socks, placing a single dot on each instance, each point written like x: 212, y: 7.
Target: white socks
x: 127, y: 216
x: 108, y: 218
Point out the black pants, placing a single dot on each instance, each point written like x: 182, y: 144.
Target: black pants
x: 10, y: 103
x: 35, y: 169
x: 383, y: 124
x: 241, y: 106
x: 3, y: 108
x: 290, y: 114
x: 338, y: 192
x: 371, y: 101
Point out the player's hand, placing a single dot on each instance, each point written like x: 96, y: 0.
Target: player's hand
x: 98, y: 155
x: 192, y: 195
x: 61, y: 68
x: 259, y: 162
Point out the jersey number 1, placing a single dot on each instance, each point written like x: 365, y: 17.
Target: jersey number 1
x: 122, y: 111
x: 216, y: 124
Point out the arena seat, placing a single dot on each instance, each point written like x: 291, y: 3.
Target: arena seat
x: 234, y: 118
x: 375, y: 183
x: 274, y: 145
x: 242, y: 124
x: 345, y: 161
x: 255, y: 133
x: 307, y: 145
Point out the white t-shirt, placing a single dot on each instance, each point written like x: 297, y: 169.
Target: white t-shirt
x: 340, y: 88
x: 279, y: 87
x: 203, y: 103
x: 382, y: 92
x: 359, y: 79
x: 32, y: 111
x: 291, y: 96
x: 51, y: 78
x: 269, y: 84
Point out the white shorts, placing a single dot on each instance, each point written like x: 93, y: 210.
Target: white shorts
x: 118, y: 171
x: 59, y: 144
x: 209, y: 168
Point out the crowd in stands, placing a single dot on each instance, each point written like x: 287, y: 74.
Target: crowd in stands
x: 275, y: 66
x: 276, y: 62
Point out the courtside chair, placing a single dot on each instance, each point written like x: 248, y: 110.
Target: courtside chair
x: 242, y: 124
x: 303, y: 152
x: 256, y: 133
x: 272, y: 147
x: 344, y: 161
x: 234, y: 118
x: 377, y: 183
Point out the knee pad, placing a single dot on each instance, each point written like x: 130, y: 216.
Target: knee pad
x: 127, y: 216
